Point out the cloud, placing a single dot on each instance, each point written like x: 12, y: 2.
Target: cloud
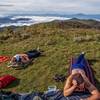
x: 42, y: 6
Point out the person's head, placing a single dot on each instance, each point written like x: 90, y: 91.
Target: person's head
x: 78, y: 78
x: 13, y: 60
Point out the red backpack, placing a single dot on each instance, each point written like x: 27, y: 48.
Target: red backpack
x: 6, y: 80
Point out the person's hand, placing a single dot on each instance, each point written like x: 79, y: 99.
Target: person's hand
x: 8, y: 66
x: 81, y: 72
x: 74, y: 72
x: 83, y: 99
x: 83, y: 75
x: 74, y: 82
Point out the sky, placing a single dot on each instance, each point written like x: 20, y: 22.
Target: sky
x: 8, y: 7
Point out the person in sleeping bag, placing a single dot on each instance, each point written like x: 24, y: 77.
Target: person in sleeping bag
x: 24, y: 57
x: 79, y: 82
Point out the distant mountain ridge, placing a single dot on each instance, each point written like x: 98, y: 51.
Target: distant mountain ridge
x: 74, y: 23
x: 78, y: 15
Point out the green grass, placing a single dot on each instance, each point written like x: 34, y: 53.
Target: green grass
x: 58, y: 46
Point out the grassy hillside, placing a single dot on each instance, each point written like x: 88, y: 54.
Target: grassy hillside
x: 58, y: 41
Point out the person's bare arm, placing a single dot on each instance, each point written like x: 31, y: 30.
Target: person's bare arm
x: 24, y: 58
x: 12, y: 59
x: 12, y: 63
x: 95, y: 95
x: 69, y: 87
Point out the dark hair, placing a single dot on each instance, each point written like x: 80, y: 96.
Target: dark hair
x: 78, y: 78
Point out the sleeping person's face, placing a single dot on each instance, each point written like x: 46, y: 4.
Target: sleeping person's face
x: 13, y: 61
x: 80, y: 81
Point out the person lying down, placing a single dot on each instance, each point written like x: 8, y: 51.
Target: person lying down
x: 79, y: 82
x: 24, y: 58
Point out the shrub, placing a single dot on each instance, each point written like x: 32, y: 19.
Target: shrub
x: 83, y: 38
x: 4, y: 37
x: 97, y: 37
x: 25, y: 36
